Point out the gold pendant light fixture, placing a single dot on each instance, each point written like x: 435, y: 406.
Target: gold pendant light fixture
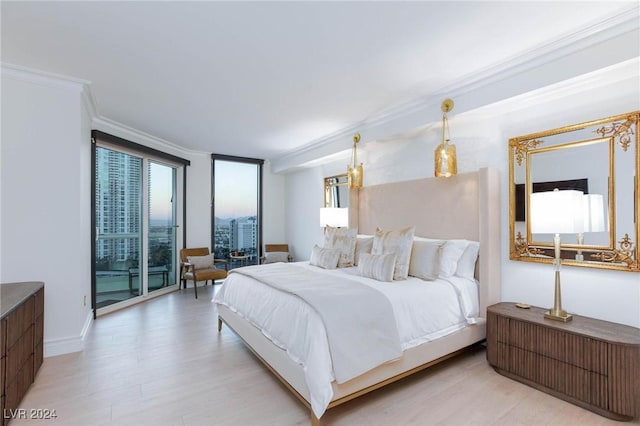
x: 355, y: 170
x: 445, y: 155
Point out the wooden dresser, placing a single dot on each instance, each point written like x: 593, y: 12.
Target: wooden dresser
x: 591, y: 363
x: 21, y: 341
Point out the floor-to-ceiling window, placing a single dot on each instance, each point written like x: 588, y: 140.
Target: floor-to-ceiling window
x: 236, y: 209
x: 137, y: 210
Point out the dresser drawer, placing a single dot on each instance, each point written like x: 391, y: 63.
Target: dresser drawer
x: 572, y: 349
x: 19, y: 320
x: 19, y: 354
x: 551, y: 373
x: 18, y: 386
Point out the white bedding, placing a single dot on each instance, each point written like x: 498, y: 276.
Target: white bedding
x: 346, y: 307
x: 423, y: 310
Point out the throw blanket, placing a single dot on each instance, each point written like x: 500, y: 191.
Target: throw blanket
x: 359, y: 321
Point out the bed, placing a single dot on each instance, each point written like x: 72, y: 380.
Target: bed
x: 466, y: 207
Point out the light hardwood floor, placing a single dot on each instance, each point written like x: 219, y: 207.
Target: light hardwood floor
x: 164, y: 363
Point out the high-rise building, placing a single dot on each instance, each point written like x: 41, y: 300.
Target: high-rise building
x: 243, y: 234
x: 247, y: 234
x: 118, y: 204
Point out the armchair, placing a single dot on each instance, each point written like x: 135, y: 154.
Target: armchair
x: 276, y: 253
x: 198, y: 265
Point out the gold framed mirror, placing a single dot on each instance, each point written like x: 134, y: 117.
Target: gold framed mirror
x: 599, y: 158
x: 336, y: 191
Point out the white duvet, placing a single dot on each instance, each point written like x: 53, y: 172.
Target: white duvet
x: 423, y: 310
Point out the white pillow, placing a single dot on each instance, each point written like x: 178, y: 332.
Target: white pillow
x: 363, y: 245
x: 201, y: 262
x: 343, y: 239
x: 276, y: 256
x: 451, y: 252
x: 377, y: 266
x: 398, y: 242
x: 425, y: 259
x: 326, y: 258
x: 467, y: 262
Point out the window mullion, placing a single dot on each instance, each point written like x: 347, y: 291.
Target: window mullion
x: 144, y: 246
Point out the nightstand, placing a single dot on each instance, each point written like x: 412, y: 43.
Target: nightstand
x: 591, y: 363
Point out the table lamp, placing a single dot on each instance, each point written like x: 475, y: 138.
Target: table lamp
x: 335, y: 217
x: 557, y: 212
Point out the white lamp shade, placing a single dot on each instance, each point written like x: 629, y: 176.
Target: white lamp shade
x: 557, y: 212
x: 594, y: 218
x: 336, y: 217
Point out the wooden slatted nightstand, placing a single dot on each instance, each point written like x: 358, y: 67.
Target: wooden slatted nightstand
x: 591, y: 363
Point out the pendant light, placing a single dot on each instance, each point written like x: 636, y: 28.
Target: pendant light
x: 445, y: 155
x: 355, y: 170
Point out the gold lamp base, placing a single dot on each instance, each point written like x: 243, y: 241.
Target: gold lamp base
x: 558, y: 316
x: 557, y: 313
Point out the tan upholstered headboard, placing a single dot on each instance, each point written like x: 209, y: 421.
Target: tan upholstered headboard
x: 464, y: 206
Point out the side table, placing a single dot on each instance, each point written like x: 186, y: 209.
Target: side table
x: 591, y: 363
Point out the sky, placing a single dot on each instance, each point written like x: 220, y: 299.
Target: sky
x: 236, y: 188
x: 161, y: 187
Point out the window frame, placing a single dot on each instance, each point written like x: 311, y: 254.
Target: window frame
x: 246, y: 160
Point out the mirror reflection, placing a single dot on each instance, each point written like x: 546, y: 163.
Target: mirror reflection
x: 584, y: 175
x: 336, y: 191
x: 597, y: 158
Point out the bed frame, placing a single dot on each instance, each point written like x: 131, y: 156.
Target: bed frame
x: 463, y: 206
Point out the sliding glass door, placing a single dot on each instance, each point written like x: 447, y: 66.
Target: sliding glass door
x: 118, y: 200
x: 137, y: 212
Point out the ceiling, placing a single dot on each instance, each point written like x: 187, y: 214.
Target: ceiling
x: 263, y: 79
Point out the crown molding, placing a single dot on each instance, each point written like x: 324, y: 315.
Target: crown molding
x: 617, y: 25
x: 48, y: 79
x: 44, y: 78
x: 122, y: 130
x: 620, y: 72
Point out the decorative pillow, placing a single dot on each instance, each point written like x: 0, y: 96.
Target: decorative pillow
x: 399, y: 243
x: 201, y: 262
x: 326, y: 258
x: 343, y: 239
x: 425, y: 259
x: 363, y: 245
x: 276, y: 256
x: 451, y: 252
x: 377, y: 266
x: 467, y: 262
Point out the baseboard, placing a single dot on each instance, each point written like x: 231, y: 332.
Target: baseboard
x: 68, y: 344
x: 88, y: 322
x: 63, y: 346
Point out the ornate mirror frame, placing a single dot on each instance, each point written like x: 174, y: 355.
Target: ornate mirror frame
x: 336, y: 191
x: 553, y: 159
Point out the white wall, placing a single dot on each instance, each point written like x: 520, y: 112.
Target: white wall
x: 304, y: 197
x: 46, y: 201
x: 481, y: 138
x: 273, y: 207
x: 199, y: 201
